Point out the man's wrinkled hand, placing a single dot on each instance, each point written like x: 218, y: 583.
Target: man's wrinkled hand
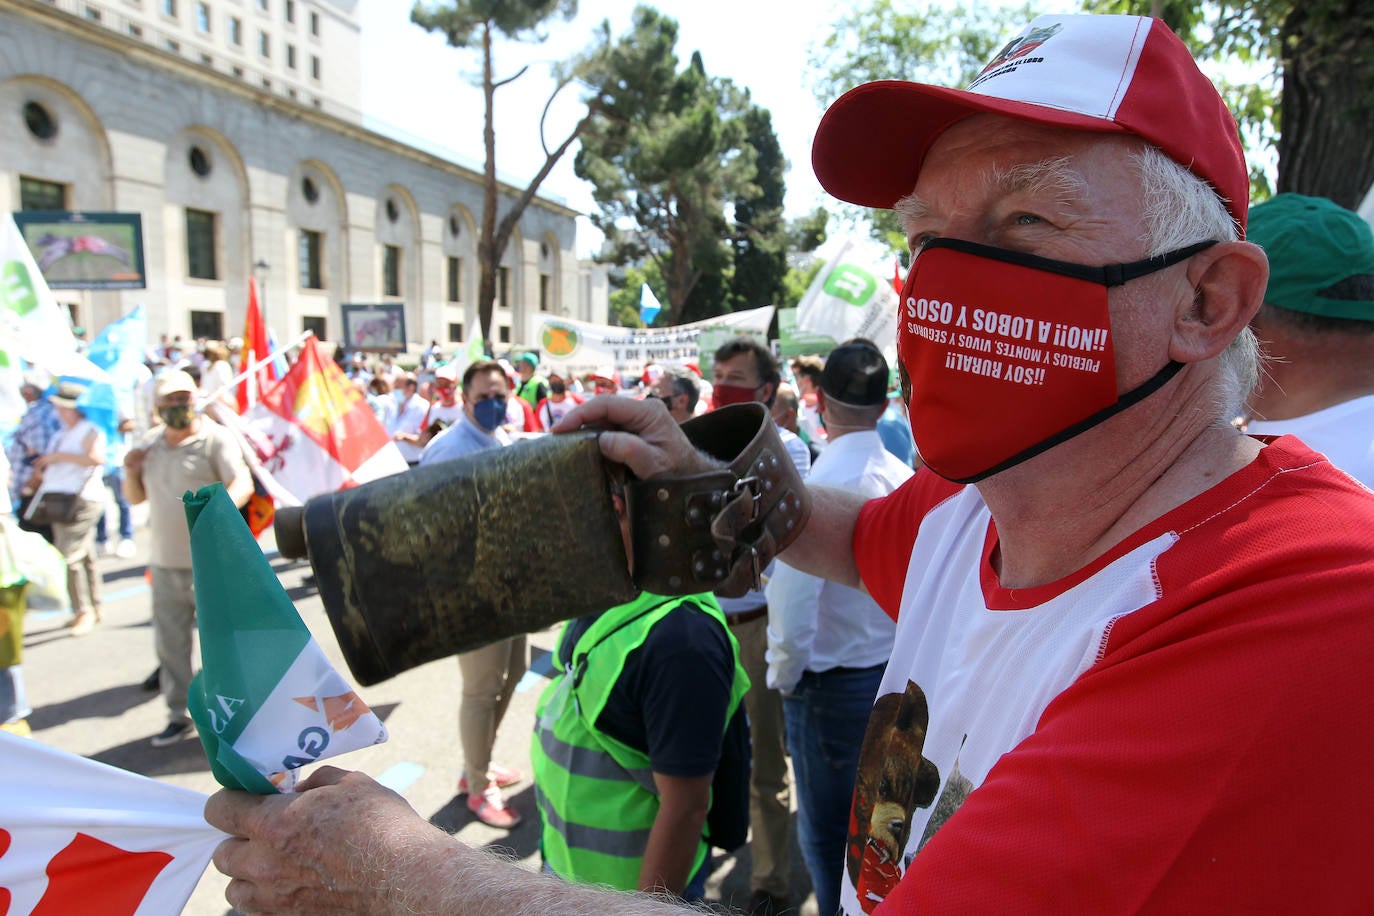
x: 639, y: 434
x: 331, y: 846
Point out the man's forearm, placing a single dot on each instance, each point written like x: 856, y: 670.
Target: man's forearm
x: 825, y: 548
x: 457, y: 879
x: 134, y: 492
x: 671, y: 850
x: 342, y: 844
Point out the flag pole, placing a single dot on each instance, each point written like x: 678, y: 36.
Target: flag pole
x: 255, y: 366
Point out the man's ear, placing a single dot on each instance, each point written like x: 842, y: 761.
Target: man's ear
x: 1228, y: 282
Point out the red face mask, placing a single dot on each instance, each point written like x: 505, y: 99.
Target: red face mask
x: 1010, y: 354
x: 724, y: 395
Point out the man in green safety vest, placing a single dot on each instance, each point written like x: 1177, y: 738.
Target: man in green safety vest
x: 627, y: 740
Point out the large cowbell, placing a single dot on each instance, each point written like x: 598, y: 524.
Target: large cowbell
x: 452, y: 556
x: 455, y: 555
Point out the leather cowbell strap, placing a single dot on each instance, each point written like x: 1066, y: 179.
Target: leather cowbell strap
x: 718, y: 530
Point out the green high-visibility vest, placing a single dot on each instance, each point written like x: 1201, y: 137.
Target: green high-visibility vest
x: 596, y: 795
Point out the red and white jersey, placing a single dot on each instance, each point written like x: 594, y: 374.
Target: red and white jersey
x: 1182, y: 726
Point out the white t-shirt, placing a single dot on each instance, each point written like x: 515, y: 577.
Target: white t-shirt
x: 67, y: 477
x: 1343, y: 433
x: 1179, y: 726
x: 438, y: 413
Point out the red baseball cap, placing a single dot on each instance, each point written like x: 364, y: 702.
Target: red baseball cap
x: 1106, y: 73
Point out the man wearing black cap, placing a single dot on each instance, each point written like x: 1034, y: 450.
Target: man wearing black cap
x: 828, y: 643
x: 1317, y: 326
x: 1129, y: 672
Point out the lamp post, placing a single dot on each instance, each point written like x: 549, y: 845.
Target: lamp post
x: 260, y: 270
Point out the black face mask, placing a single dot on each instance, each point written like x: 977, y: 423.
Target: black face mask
x: 178, y: 416
x: 558, y: 387
x: 667, y: 401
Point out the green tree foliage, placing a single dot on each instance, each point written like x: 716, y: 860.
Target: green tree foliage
x: 885, y: 39
x: 670, y: 151
x: 1316, y: 109
x: 761, y: 237
x: 798, y: 281
x: 477, y: 24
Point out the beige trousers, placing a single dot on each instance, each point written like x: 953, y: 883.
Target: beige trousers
x: 489, y: 678
x: 769, y: 790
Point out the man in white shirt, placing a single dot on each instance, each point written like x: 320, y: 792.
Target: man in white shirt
x: 1317, y: 325
x: 439, y: 415
x: 410, y: 413
x: 828, y: 643
x: 744, y: 370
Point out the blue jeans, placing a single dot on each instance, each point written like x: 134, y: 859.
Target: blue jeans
x: 115, y: 481
x: 826, y: 716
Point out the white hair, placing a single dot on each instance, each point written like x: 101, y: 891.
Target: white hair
x: 1179, y: 210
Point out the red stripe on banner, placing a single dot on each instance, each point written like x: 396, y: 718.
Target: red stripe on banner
x: 94, y: 878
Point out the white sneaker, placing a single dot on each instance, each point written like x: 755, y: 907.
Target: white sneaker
x: 105, y: 550
x: 125, y: 549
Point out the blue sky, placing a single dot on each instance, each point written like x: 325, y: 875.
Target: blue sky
x: 420, y: 88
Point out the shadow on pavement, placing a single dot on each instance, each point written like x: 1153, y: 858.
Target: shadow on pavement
x: 521, y: 842
x: 103, y: 704
x: 138, y: 756
x: 125, y: 572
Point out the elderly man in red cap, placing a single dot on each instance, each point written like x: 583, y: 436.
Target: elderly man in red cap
x: 1128, y: 671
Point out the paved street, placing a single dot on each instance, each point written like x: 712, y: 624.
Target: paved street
x: 87, y: 699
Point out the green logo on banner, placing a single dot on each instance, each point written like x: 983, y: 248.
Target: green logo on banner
x: 16, y: 288
x: 558, y: 340
x: 851, y: 284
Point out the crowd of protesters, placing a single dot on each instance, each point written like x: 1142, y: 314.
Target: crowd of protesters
x: 820, y: 646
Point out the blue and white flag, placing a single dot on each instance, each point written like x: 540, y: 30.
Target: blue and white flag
x: 649, y: 306
x: 119, y: 347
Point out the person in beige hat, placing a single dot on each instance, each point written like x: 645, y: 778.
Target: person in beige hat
x: 187, y: 452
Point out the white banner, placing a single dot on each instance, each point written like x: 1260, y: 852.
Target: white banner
x: 78, y: 836
x: 579, y: 347
x: 848, y: 299
x: 30, y: 316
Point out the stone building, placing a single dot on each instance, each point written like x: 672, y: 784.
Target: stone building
x: 232, y: 127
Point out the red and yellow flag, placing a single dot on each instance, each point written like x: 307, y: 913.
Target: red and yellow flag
x: 315, y: 432
x: 255, y: 349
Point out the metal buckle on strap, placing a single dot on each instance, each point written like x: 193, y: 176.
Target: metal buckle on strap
x: 755, y: 487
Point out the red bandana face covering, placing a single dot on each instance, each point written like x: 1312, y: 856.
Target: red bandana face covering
x: 1009, y: 354
x: 724, y: 395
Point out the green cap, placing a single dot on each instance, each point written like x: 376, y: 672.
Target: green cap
x: 1321, y: 256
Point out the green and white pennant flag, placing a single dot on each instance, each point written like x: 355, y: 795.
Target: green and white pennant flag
x: 266, y: 700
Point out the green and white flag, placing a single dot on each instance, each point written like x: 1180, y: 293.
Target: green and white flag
x: 266, y: 700
x: 849, y: 298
